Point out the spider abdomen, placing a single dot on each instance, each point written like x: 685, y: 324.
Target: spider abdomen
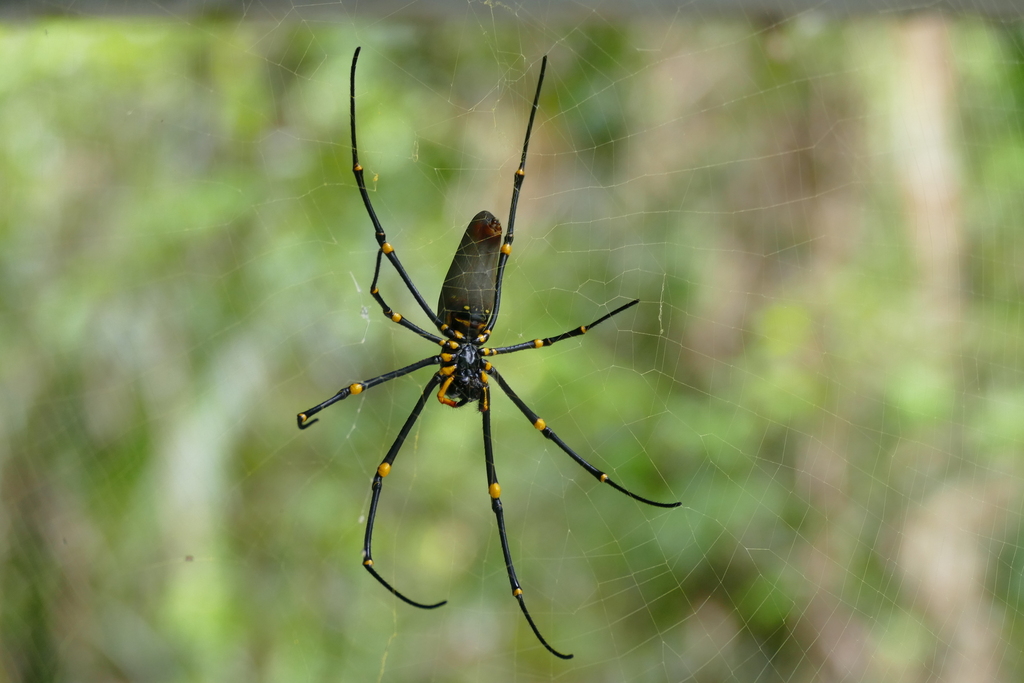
x: 467, y: 295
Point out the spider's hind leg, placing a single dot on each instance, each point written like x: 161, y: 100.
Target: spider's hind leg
x: 385, y: 248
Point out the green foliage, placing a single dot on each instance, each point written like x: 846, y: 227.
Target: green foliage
x: 185, y: 263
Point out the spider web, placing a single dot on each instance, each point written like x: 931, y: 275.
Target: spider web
x: 819, y: 216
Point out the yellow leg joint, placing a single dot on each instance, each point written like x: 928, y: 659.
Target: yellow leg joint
x: 540, y: 424
x: 396, y: 317
x: 357, y: 168
x: 537, y: 343
x: 495, y: 490
x: 506, y: 249
x: 387, y: 248
x: 604, y: 477
x: 367, y: 563
x: 356, y: 388
x: 441, y: 395
x: 384, y: 469
x: 517, y: 592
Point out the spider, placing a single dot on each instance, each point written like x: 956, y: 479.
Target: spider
x: 466, y: 313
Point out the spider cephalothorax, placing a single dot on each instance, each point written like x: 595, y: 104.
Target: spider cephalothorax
x: 465, y: 375
x: 466, y: 313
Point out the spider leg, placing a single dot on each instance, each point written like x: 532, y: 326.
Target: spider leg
x: 378, y: 483
x: 548, y: 341
x: 517, y: 183
x: 494, y: 490
x: 359, y: 387
x: 385, y: 248
x: 390, y: 314
x: 549, y: 434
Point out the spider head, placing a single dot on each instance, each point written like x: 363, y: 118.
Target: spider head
x: 463, y: 374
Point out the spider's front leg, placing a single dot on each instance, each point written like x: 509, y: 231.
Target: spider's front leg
x: 494, y: 491
x: 549, y: 434
x: 378, y: 483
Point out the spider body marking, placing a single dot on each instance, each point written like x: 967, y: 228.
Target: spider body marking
x: 467, y: 311
x: 464, y: 376
x: 468, y: 293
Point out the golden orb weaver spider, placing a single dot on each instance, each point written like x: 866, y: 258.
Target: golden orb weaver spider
x: 466, y: 313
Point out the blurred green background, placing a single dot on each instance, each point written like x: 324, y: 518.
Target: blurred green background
x: 822, y: 222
